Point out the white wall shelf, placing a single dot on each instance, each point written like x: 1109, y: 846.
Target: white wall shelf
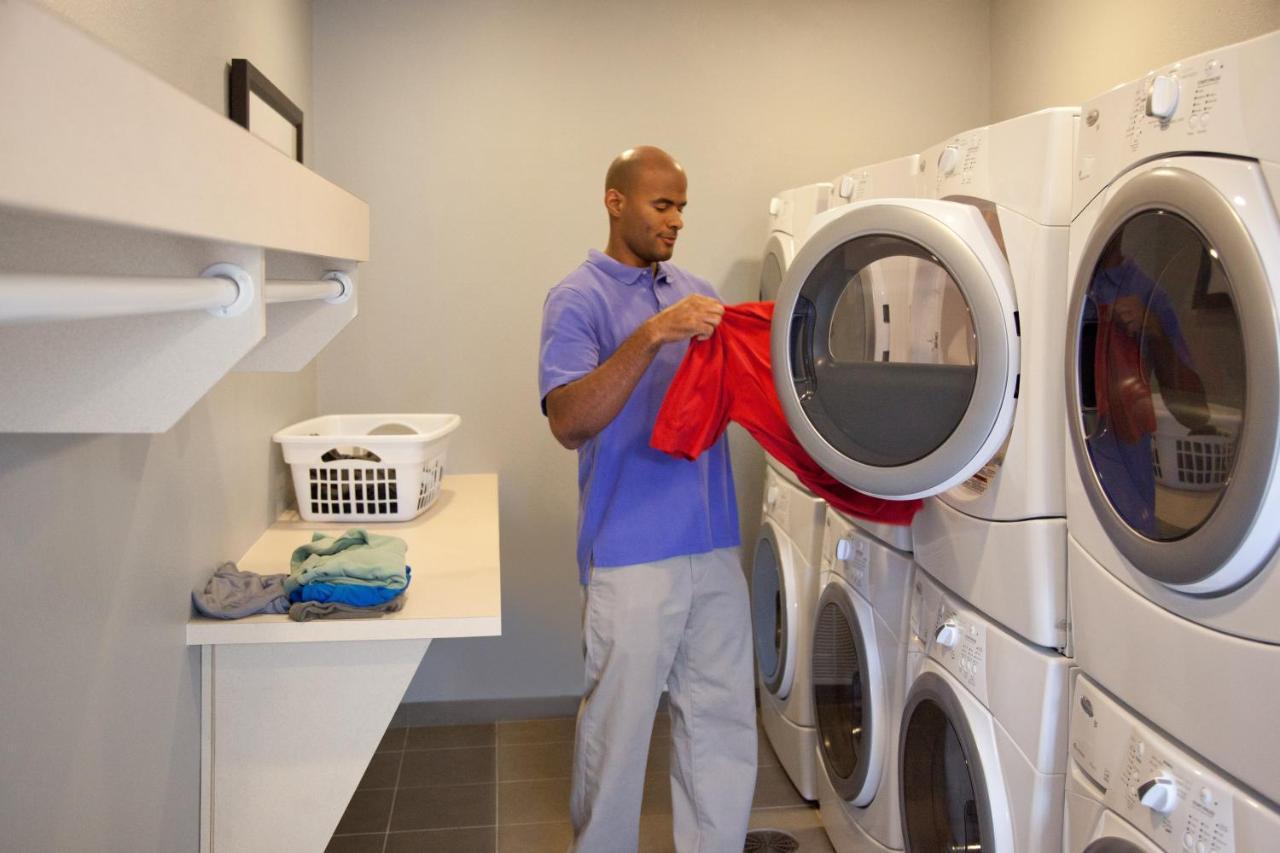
x: 109, y: 176
x: 263, y: 674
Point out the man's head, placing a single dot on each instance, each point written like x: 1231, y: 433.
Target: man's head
x: 645, y: 194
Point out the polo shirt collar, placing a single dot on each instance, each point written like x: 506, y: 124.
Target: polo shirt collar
x: 621, y: 272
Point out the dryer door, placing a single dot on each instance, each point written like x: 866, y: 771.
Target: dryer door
x: 1172, y: 377
x: 895, y: 345
x: 774, y: 609
x: 849, y: 693
x: 778, y: 254
x: 945, y: 805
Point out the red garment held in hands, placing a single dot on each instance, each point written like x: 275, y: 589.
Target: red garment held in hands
x: 728, y: 377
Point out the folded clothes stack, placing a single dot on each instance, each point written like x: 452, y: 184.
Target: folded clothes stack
x: 355, y: 575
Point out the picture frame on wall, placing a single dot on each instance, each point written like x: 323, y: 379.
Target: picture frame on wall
x: 258, y: 105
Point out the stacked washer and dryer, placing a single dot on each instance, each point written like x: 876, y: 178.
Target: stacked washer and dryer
x: 1173, y: 387
x: 901, y: 335
x: 1123, y: 597
x: 787, y: 553
x: 859, y: 646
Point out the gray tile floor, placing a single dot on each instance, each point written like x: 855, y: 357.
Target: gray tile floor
x: 504, y: 788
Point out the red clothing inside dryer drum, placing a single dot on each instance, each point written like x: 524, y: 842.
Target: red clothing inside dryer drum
x: 728, y: 377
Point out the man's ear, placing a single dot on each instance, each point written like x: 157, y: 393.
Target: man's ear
x: 613, y: 202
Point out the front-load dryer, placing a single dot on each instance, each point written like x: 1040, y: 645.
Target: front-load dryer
x: 858, y: 670
x: 790, y: 213
x: 900, y: 177
x: 998, y: 539
x: 1132, y: 790
x: 876, y: 339
x: 1173, y: 383
x: 784, y: 588
x: 982, y: 744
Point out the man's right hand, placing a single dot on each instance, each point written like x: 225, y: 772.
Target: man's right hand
x: 694, y: 316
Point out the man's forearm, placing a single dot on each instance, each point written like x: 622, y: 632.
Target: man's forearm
x: 580, y: 410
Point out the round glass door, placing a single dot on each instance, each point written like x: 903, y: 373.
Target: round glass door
x: 1170, y: 344
x: 894, y: 353
x: 772, y: 600
x: 846, y: 695
x: 944, y: 799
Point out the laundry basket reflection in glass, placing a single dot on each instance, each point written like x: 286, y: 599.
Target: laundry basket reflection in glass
x: 367, y: 467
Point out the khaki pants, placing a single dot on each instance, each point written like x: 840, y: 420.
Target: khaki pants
x: 683, y: 623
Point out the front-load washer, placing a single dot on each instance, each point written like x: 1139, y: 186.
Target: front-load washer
x: 982, y: 745
x: 784, y: 588
x: 998, y: 539
x: 1132, y: 790
x: 859, y: 665
x: 1173, y: 384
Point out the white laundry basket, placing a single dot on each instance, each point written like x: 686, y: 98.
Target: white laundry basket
x: 367, y: 467
x: 1197, y: 463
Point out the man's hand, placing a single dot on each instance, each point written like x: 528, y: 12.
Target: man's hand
x: 694, y: 316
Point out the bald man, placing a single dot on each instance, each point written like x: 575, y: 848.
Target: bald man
x: 666, y: 602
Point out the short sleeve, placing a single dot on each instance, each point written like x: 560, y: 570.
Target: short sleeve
x: 570, y: 346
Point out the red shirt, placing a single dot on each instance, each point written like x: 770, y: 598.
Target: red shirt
x: 729, y: 377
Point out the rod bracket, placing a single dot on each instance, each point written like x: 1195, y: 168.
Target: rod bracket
x: 348, y: 287
x: 241, y: 279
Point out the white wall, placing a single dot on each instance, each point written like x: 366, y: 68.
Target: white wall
x: 1055, y: 54
x: 102, y: 538
x: 479, y: 133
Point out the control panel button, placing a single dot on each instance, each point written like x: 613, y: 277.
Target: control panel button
x: 1162, y: 97
x: 1159, y: 793
x: 844, y: 550
x: 1206, y: 797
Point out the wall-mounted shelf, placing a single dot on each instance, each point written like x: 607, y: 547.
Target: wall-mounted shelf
x: 263, y: 674
x: 114, y: 184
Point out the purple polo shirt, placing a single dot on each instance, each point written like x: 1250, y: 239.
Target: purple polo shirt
x: 635, y: 504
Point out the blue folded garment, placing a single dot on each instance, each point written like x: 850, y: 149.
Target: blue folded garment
x: 357, y: 595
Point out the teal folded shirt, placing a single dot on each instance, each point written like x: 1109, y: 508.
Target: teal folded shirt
x: 356, y: 557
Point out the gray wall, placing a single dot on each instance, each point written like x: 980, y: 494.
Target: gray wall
x: 479, y: 135
x: 1054, y: 54
x: 103, y: 537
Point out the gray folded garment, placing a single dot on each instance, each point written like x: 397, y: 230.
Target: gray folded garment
x: 231, y: 594
x: 305, y: 611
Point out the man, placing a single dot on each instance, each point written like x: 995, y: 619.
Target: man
x: 666, y: 602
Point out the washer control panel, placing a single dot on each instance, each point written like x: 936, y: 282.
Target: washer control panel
x: 1179, y: 803
x: 952, y: 636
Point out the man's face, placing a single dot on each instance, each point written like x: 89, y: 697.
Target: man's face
x: 650, y: 215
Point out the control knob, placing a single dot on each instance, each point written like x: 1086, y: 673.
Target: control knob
x: 844, y: 550
x: 1159, y: 793
x: 948, y: 634
x: 1162, y: 97
x: 775, y: 206
x: 771, y: 497
x: 846, y: 187
x: 948, y: 160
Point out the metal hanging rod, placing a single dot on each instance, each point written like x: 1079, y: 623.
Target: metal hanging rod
x: 224, y: 290
x: 334, y: 287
